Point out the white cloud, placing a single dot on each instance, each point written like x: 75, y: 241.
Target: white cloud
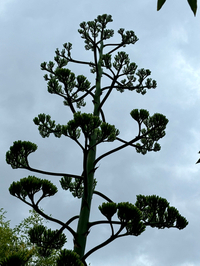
x: 189, y: 73
x: 142, y: 260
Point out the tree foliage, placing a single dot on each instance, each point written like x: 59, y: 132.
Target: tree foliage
x: 16, y: 247
x: 88, y: 131
x: 192, y: 4
x: 13, y: 251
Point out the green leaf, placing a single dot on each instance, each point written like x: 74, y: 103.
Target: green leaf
x: 193, y: 5
x: 160, y: 3
x: 198, y: 161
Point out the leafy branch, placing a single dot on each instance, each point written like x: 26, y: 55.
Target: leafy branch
x: 17, y: 157
x: 151, y: 211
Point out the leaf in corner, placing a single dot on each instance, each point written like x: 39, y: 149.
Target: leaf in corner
x: 160, y: 3
x: 193, y: 5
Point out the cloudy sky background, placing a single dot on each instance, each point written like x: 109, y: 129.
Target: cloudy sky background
x: 169, y: 46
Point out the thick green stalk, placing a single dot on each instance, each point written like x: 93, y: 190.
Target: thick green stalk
x: 89, y: 169
x: 82, y: 229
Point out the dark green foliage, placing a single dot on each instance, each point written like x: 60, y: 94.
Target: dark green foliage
x: 75, y: 187
x: 13, y: 250
x: 139, y: 115
x: 17, y: 259
x: 69, y: 258
x: 128, y: 37
x: 18, y: 153
x: 156, y: 212
x: 151, y: 211
x: 108, y: 209
x: 122, y: 64
x: 46, y: 239
x: 89, y: 123
x: 29, y: 186
x: 95, y: 28
x: 47, y: 126
x: 127, y: 212
x: 71, y: 85
x: 15, y: 245
x: 130, y: 216
x: 84, y: 122
x: 153, y: 131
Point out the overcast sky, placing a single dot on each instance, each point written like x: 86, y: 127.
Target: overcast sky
x: 169, y: 46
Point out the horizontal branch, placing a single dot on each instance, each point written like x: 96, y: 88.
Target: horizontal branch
x: 116, y: 48
x: 64, y: 225
x: 106, y: 242
x: 72, y: 219
x: 159, y: 225
x: 104, y: 222
x: 102, y: 195
x: 118, y: 148
x: 125, y: 142
x: 79, y: 62
x: 54, y: 174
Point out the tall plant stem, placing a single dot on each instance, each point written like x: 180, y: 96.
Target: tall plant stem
x: 89, y: 169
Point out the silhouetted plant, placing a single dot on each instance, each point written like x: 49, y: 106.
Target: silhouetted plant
x: 123, y: 74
